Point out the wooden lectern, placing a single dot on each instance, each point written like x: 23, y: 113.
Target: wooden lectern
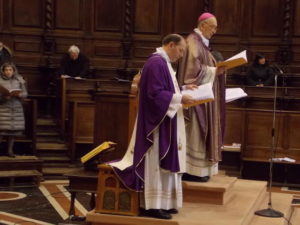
x: 112, y: 196
x: 115, y: 113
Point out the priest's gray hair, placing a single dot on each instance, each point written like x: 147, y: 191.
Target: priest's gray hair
x: 74, y: 48
x: 176, y: 38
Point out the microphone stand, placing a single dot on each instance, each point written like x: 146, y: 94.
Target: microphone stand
x: 270, y: 212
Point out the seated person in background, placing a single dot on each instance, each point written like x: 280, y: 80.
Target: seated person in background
x: 260, y: 73
x: 74, y: 64
x: 12, y: 90
x: 5, y: 54
x: 217, y: 56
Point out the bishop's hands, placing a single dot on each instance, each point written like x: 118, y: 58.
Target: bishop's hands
x: 191, y: 86
x: 221, y: 70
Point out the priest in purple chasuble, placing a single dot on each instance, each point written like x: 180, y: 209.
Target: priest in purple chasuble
x: 204, y: 123
x: 155, y: 159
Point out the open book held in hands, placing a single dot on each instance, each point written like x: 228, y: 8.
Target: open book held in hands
x: 235, y: 61
x: 234, y: 94
x: 12, y: 92
x: 202, y: 94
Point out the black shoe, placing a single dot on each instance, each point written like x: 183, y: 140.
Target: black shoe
x: 158, y: 213
x: 189, y: 177
x: 171, y: 211
x: 204, y: 179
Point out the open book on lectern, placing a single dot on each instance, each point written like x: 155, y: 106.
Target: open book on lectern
x: 235, y: 61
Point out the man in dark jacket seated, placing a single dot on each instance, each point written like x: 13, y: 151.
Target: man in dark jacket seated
x: 74, y: 64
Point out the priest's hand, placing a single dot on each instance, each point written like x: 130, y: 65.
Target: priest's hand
x: 187, y: 99
x: 221, y: 70
x: 191, y: 86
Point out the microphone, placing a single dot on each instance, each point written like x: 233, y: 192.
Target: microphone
x: 277, y: 67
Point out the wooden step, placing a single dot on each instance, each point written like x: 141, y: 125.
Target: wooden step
x: 30, y: 178
x: 248, y: 195
x: 57, y: 159
x: 51, y: 146
x: 20, y: 173
x: 295, y: 217
x: 57, y: 173
x: 47, y: 133
x: 20, y: 163
x: 217, y: 191
x: 19, y: 158
x: 49, y: 139
x: 46, y: 122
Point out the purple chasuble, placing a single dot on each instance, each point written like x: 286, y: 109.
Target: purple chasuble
x: 155, y: 95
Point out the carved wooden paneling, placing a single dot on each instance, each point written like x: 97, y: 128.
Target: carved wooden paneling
x: 147, y: 16
x: 109, y: 49
x: 68, y: 14
x: 293, y: 135
x: 266, y: 18
x: 253, y: 131
x: 269, y: 50
x: 234, y: 126
x: 1, y: 14
x: 228, y: 13
x: 108, y: 15
x: 186, y: 15
x: 258, y: 129
x: 85, y: 124
x: 226, y: 49
x: 144, y: 51
x: 297, y: 19
x: 35, y: 81
x: 110, y: 31
x: 27, y: 13
x: 111, y: 122
x: 27, y: 46
x: 296, y: 50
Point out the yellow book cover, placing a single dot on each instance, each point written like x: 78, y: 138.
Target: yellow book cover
x: 104, y: 146
x: 199, y: 102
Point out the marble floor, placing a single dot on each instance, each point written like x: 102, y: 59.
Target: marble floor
x: 49, y: 204
x: 44, y: 205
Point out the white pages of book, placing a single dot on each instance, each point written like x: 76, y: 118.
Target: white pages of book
x: 284, y: 159
x: 203, y: 92
x: 234, y: 94
x: 241, y: 55
x: 234, y: 61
